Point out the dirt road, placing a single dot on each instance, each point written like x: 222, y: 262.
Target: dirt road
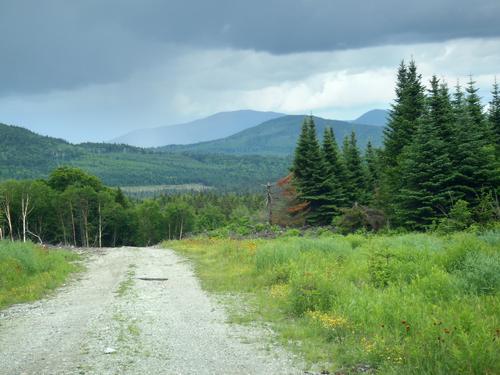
x: 112, y: 321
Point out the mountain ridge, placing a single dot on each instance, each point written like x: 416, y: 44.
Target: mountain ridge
x: 216, y: 126
x: 376, y: 117
x: 279, y: 137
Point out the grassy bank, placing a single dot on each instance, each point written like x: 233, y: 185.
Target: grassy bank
x: 407, y: 304
x: 27, y: 271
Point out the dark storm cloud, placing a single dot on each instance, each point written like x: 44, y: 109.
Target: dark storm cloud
x: 61, y: 44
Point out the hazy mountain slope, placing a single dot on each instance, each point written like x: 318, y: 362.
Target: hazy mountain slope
x: 279, y: 137
x: 24, y: 154
x: 217, y: 126
x: 377, y: 117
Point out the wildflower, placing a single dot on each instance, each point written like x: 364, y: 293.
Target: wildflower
x: 367, y: 345
x: 328, y: 321
x: 252, y: 246
x: 279, y: 291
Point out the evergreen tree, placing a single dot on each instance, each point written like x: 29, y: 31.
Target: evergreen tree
x: 428, y: 172
x: 408, y: 107
x: 335, y: 176
x: 424, y: 175
x: 372, y: 171
x: 473, y: 105
x: 473, y: 156
x: 494, y: 116
x: 300, y: 167
x: 405, y: 117
x: 355, y: 176
x: 309, y: 172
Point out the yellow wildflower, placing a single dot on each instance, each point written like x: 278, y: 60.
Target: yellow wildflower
x: 279, y: 291
x: 328, y: 321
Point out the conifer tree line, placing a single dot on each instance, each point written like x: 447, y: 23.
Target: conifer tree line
x: 439, y: 160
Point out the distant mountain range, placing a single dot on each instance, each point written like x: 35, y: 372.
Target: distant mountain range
x: 219, y: 125
x: 377, y: 117
x: 226, y: 124
x: 255, y: 155
x: 279, y: 137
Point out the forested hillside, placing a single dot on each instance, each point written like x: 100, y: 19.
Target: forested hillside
x: 279, y: 137
x: 24, y: 154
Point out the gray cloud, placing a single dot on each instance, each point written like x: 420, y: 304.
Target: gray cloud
x: 195, y: 83
x: 59, y: 44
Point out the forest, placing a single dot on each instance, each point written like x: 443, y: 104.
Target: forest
x: 438, y: 169
x: 123, y: 165
x: 74, y: 208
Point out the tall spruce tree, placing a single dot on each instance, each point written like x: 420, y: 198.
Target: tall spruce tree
x: 494, y: 115
x: 473, y: 105
x: 408, y: 107
x: 309, y: 172
x: 355, y: 176
x: 335, y: 176
x: 372, y: 171
x: 405, y: 117
x: 473, y: 155
x: 427, y: 170
x: 301, y: 163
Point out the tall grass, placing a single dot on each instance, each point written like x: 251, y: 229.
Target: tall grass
x: 406, y: 304
x: 28, y: 271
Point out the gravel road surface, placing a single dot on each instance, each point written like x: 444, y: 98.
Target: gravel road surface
x: 121, y: 317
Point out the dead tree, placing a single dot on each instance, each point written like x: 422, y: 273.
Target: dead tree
x: 25, y: 211
x: 269, y: 203
x: 181, y: 228
x: 100, y: 224
x: 7, y: 211
x: 73, y: 222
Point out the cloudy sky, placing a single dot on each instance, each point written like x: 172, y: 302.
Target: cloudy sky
x: 95, y: 69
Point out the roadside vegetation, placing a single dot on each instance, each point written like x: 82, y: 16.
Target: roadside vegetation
x: 398, y: 304
x: 27, y: 271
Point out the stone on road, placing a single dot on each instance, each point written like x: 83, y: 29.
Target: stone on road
x: 134, y: 311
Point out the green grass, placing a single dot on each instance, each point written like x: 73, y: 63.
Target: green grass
x: 405, y: 304
x: 127, y: 284
x: 27, y: 272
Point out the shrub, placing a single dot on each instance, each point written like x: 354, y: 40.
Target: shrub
x: 360, y: 218
x: 459, y: 218
x: 480, y: 273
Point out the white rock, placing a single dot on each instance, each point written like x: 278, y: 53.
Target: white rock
x: 109, y: 351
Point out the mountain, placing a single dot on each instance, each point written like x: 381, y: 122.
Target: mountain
x: 377, y: 117
x: 279, y: 137
x: 217, y: 126
x: 24, y: 154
